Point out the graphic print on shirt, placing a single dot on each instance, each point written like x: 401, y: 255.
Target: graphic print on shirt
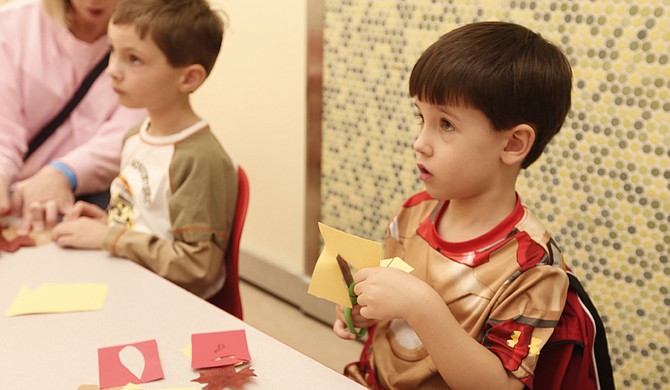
x: 121, y: 210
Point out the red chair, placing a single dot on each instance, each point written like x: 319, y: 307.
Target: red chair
x: 228, y: 298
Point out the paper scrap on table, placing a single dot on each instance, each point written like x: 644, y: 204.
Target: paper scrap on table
x: 43, y: 237
x: 187, y: 351
x: 129, y: 363
x: 219, y: 349
x: 327, y: 281
x: 132, y: 386
x: 58, y: 298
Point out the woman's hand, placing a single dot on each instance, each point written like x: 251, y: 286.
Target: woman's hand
x: 85, y: 209
x: 5, y: 203
x: 40, y: 199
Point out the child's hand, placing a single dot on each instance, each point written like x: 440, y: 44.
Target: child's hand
x: 389, y: 293
x: 83, y: 232
x: 85, y: 209
x: 340, y: 326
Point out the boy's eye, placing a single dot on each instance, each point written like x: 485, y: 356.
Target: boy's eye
x: 419, y: 117
x: 446, y: 125
x: 134, y: 59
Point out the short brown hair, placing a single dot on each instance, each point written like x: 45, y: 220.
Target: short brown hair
x: 511, y: 74
x: 187, y: 31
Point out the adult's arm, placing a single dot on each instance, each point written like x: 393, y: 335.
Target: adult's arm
x: 96, y: 162
x: 13, y: 134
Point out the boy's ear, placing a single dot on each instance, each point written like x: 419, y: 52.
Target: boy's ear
x: 192, y: 77
x: 519, y: 141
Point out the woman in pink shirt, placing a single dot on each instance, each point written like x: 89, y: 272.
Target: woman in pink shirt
x: 46, y: 49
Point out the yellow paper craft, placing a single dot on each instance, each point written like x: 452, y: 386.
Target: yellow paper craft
x: 58, y: 298
x: 327, y: 281
x: 188, y: 351
x: 398, y: 263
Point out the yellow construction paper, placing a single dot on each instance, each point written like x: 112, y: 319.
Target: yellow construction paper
x: 398, y: 263
x: 188, y: 351
x: 327, y: 281
x: 58, y: 298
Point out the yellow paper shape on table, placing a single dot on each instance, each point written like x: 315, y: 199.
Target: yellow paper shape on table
x: 58, y: 298
x: 327, y: 280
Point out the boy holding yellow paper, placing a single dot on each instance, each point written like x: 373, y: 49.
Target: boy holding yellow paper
x: 489, y: 283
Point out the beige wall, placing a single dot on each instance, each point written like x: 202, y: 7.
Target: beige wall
x: 255, y: 100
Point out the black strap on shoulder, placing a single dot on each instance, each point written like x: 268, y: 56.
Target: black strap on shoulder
x: 58, y: 120
x: 603, y: 362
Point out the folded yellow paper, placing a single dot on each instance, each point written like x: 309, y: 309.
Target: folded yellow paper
x: 327, y: 281
x: 58, y: 298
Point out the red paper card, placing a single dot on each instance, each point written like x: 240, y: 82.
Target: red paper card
x: 219, y: 349
x: 129, y: 363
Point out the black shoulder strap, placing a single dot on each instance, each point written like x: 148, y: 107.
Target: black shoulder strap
x: 58, y: 120
x: 601, y: 350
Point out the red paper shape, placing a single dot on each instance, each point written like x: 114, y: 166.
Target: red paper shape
x: 218, y: 378
x: 113, y: 373
x: 219, y: 349
x: 14, y: 244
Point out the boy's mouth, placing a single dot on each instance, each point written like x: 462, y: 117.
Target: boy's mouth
x: 424, y: 174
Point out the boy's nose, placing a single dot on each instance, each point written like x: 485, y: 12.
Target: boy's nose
x: 112, y: 69
x: 421, y: 144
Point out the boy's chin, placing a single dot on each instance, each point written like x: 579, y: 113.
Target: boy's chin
x: 129, y: 103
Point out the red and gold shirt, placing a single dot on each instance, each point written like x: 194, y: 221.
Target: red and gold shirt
x: 506, y: 288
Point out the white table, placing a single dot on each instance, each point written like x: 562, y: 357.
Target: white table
x: 59, y: 351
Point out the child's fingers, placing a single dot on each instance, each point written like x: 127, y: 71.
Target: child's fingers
x: 64, y: 241
x: 76, y: 211
x: 362, y: 274
x: 341, y: 331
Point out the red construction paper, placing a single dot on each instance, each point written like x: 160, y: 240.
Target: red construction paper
x: 218, y: 378
x: 113, y: 373
x: 219, y: 349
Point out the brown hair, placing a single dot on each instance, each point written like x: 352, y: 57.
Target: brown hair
x: 511, y: 74
x: 187, y: 31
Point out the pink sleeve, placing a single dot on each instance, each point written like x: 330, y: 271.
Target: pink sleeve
x: 41, y: 66
x: 96, y: 162
x: 11, y: 122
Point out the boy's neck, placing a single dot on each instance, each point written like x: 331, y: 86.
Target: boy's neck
x: 467, y: 219
x: 172, y: 120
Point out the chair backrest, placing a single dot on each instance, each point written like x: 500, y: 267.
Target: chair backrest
x: 228, y: 298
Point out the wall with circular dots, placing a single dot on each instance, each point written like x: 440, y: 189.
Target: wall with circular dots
x: 603, y: 184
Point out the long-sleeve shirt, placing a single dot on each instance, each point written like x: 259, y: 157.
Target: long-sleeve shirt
x: 172, y: 206
x: 41, y: 66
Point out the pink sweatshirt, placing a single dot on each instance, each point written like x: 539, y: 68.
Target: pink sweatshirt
x: 41, y: 66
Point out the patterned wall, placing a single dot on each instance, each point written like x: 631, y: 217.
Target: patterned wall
x: 603, y: 185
